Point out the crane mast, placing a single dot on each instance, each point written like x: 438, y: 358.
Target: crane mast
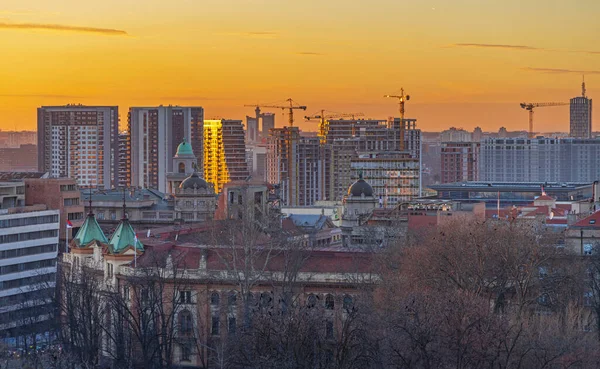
x: 401, y: 100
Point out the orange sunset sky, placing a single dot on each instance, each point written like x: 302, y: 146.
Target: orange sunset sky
x: 465, y: 63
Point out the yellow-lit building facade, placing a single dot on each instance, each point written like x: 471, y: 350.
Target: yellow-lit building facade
x: 224, y: 152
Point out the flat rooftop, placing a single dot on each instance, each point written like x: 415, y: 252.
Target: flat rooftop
x: 510, y: 186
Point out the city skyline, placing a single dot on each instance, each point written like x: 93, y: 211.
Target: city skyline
x: 464, y: 63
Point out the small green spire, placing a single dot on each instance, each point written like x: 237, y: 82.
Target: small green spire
x: 360, y: 174
x: 124, y: 237
x: 90, y: 231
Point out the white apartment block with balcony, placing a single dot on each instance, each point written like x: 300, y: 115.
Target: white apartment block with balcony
x: 28, y: 253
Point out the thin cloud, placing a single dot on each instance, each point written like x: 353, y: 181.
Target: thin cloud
x: 258, y: 34
x: 310, y: 53
x: 27, y: 12
x: 560, y: 71
x: 498, y: 46
x: 63, y: 28
x: 47, y: 96
x: 193, y: 98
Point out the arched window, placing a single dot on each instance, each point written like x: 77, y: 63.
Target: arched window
x: 181, y: 168
x: 265, y: 300
x: 348, y: 303
x: 311, y: 301
x: 214, y: 299
x: 185, y: 322
x: 329, y: 302
x: 232, y: 300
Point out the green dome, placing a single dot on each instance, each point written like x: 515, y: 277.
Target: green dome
x: 184, y: 149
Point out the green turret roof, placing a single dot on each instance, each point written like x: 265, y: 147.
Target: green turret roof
x: 124, y: 237
x: 90, y: 231
x: 184, y: 148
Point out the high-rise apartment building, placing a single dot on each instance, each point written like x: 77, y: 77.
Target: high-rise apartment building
x: 224, y: 152
x: 124, y: 169
x: 252, y: 133
x: 256, y: 158
x: 268, y: 123
x: 297, y: 165
x: 539, y: 160
x: 394, y: 176
x: 79, y: 142
x: 154, y: 134
x: 581, y: 115
x: 460, y: 161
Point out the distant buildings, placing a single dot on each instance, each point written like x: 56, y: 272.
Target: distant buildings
x: 460, y: 161
x: 224, y: 152
x: 457, y: 135
x: 14, y: 139
x: 154, y: 134
x: 79, y: 142
x: 581, y: 116
x: 20, y: 159
x: 124, y: 168
x: 540, y: 160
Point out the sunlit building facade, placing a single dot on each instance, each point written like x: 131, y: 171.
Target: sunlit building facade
x: 224, y: 152
x: 79, y: 142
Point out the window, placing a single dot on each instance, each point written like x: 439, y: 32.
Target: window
x: 311, y: 301
x: 215, y: 326
x: 329, y: 329
x: 126, y: 293
x: 185, y: 323
x: 232, y: 298
x: 186, y: 353
x: 588, y: 298
x: 185, y: 297
x: 214, y: 299
x: 329, y: 302
x: 348, y: 304
x: 231, y: 325
x: 181, y: 168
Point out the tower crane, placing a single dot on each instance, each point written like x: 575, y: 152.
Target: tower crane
x: 401, y: 100
x: 530, y: 106
x: 324, y: 116
x: 291, y: 107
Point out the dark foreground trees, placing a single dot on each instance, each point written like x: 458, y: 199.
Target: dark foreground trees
x: 469, y: 294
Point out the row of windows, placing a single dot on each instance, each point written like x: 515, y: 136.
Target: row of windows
x: 22, y: 282
x: 20, y: 222
x: 15, y: 253
x: 28, y: 236
x: 22, y: 267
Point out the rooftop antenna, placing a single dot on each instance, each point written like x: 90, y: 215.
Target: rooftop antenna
x: 583, y: 86
x: 91, y: 213
x: 124, y: 206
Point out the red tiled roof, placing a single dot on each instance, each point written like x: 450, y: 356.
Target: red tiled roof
x: 590, y: 221
x: 545, y: 198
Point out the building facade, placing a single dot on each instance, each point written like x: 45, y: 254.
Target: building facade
x: 459, y: 161
x: 224, y: 152
x: 79, y: 142
x: 154, y: 134
x: 28, y: 251
x: 394, y: 177
x: 457, y: 135
x: 581, y: 117
x: 124, y: 170
x: 539, y: 160
x: 60, y: 194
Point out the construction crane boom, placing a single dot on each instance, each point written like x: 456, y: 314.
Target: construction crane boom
x: 530, y: 106
x: 324, y: 116
x: 293, y: 105
x: 401, y: 100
